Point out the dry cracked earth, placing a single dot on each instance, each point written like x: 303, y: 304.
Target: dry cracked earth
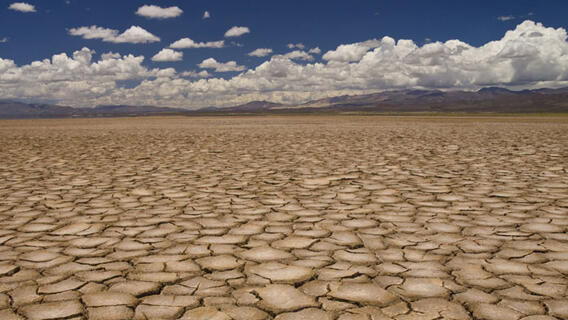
x: 291, y: 217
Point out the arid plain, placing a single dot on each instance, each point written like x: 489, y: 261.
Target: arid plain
x: 284, y: 217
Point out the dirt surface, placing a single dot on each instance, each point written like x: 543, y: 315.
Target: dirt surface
x: 300, y: 217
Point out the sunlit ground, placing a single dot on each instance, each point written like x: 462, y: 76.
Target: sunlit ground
x: 285, y: 217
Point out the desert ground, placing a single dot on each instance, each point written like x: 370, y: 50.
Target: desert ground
x: 284, y: 217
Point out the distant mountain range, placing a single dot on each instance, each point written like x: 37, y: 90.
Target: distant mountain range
x: 492, y: 99
x: 15, y: 110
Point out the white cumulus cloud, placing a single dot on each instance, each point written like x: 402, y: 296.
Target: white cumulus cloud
x: 94, y: 32
x: 134, y: 34
x: 195, y: 74
x: 260, y: 52
x: 110, y: 55
x: 295, y: 45
x: 168, y: 55
x: 352, y: 52
x: 236, y: 32
x: 22, y: 7
x: 299, y: 55
x: 156, y: 12
x: 315, y: 50
x: 185, y: 43
x: 211, y: 63
x: 72, y: 80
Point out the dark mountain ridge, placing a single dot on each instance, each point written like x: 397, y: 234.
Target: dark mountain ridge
x: 490, y: 99
x: 16, y: 110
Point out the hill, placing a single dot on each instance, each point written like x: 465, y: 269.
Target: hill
x: 491, y: 99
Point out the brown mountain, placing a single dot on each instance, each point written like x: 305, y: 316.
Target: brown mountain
x: 492, y: 99
x: 254, y: 106
x: 13, y: 110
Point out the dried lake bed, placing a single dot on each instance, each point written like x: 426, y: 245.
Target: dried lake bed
x: 284, y: 217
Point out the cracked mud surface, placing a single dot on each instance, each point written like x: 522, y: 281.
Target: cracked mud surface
x: 296, y: 217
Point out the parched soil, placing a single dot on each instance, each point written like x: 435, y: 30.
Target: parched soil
x: 284, y: 217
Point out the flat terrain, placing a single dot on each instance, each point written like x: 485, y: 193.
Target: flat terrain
x: 284, y: 217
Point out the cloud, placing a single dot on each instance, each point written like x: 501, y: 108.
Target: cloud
x: 168, y: 55
x: 352, y: 52
x: 260, y: 52
x: 315, y: 50
x: 512, y: 17
x: 505, y: 18
x: 219, y: 66
x: 134, y: 34
x: 4, y: 40
x: 110, y: 55
x: 156, y: 12
x: 22, y: 7
x: 236, y: 32
x: 299, y: 55
x: 195, y: 74
x: 185, y: 43
x: 528, y: 56
x: 94, y: 32
x: 72, y: 80
x: 297, y: 45
x: 206, y: 15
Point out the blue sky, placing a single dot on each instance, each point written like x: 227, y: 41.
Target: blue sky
x: 348, y: 42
